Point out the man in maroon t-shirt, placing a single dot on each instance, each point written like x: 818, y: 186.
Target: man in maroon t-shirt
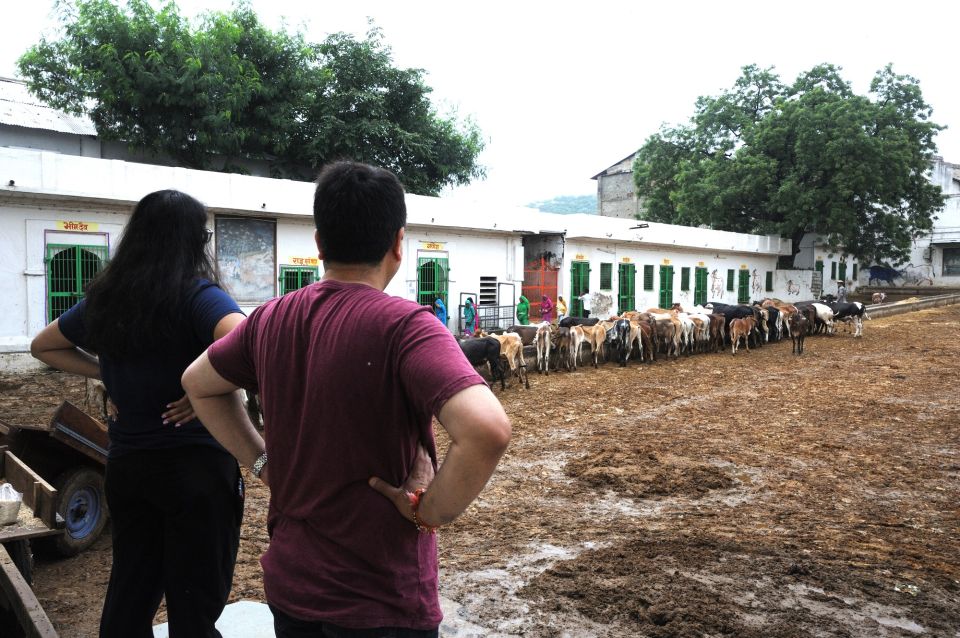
x: 350, y: 379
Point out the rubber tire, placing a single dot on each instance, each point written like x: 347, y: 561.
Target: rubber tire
x: 22, y: 557
x: 68, y: 484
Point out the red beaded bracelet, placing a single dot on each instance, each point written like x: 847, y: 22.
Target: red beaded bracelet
x: 414, y: 498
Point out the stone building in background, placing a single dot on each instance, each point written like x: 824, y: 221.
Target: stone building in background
x: 615, y: 190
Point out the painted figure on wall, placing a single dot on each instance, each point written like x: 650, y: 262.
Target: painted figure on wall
x: 755, y: 284
x: 716, y: 285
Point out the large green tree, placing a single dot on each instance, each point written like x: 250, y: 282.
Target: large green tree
x: 228, y: 88
x: 813, y: 156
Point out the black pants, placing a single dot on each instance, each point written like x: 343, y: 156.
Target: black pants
x: 176, y: 528
x: 289, y: 627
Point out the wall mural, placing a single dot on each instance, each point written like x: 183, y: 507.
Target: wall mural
x: 601, y: 305
x: 792, y: 288
x: 716, y: 285
x: 756, y: 286
x: 246, y: 255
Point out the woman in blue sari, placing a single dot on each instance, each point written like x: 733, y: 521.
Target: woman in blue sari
x: 440, y: 310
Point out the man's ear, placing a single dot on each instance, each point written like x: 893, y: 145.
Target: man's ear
x: 316, y: 239
x: 398, y: 244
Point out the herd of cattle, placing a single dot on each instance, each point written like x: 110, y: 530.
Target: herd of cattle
x: 659, y: 332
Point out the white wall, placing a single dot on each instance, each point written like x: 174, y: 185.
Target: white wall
x: 471, y: 256
x: 27, y: 231
x: 714, y: 261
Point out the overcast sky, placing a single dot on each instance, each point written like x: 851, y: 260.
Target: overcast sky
x: 562, y: 91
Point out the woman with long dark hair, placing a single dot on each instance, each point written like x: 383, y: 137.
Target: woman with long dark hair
x: 174, y: 494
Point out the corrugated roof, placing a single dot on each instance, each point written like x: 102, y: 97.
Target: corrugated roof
x: 19, y: 108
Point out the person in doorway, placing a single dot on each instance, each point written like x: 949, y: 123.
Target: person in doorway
x: 440, y: 310
x: 354, y: 502
x: 546, y: 309
x: 585, y: 300
x: 471, y: 322
x: 175, y: 495
x: 523, y: 311
x: 561, y: 308
x: 841, y: 292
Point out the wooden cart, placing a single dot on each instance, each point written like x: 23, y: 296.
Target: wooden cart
x: 58, y: 468
x: 20, y: 612
x: 70, y: 452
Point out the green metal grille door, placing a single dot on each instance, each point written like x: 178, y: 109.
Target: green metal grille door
x: 296, y: 277
x: 627, y: 298
x: 700, y: 286
x: 432, y: 280
x: 69, y: 270
x: 579, y: 284
x: 743, y: 287
x: 666, y: 286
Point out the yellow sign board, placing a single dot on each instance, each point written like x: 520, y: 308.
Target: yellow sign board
x: 666, y: 262
x: 579, y: 257
x: 304, y: 261
x: 432, y: 245
x: 701, y: 264
x: 744, y: 267
x: 83, y: 227
x: 625, y: 260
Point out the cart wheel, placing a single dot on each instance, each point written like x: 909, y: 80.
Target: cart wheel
x: 21, y: 556
x: 83, y: 506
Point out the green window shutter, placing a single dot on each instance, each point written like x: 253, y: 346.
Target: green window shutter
x: 819, y: 266
x: 843, y: 271
x: 627, y: 298
x: 69, y: 269
x: 833, y: 270
x: 579, y: 284
x: 730, y: 280
x: 854, y: 271
x: 666, y: 286
x: 685, y: 278
x: 296, y: 277
x: 743, y: 290
x: 769, y: 286
x: 648, y: 277
x: 432, y: 278
x: 606, y: 276
x: 700, y: 289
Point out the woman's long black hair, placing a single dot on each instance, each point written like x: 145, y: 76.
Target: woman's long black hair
x: 134, y: 302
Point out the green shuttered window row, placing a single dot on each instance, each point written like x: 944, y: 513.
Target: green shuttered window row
x: 685, y: 278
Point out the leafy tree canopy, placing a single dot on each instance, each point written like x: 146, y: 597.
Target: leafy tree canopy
x: 230, y: 88
x: 765, y: 157
x: 568, y: 204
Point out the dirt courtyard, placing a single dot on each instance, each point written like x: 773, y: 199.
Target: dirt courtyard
x: 758, y: 495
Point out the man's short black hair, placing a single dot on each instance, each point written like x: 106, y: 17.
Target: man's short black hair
x: 358, y: 210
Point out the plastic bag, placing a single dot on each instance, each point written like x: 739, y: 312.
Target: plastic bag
x: 9, y: 504
x: 7, y: 493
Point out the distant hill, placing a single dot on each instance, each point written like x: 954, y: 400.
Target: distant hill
x: 567, y: 204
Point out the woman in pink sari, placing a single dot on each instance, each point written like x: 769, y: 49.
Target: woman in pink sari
x: 546, y: 309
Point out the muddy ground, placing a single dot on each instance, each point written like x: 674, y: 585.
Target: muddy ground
x: 757, y: 495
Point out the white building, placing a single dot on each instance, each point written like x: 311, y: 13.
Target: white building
x: 935, y: 257
x: 62, y: 216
